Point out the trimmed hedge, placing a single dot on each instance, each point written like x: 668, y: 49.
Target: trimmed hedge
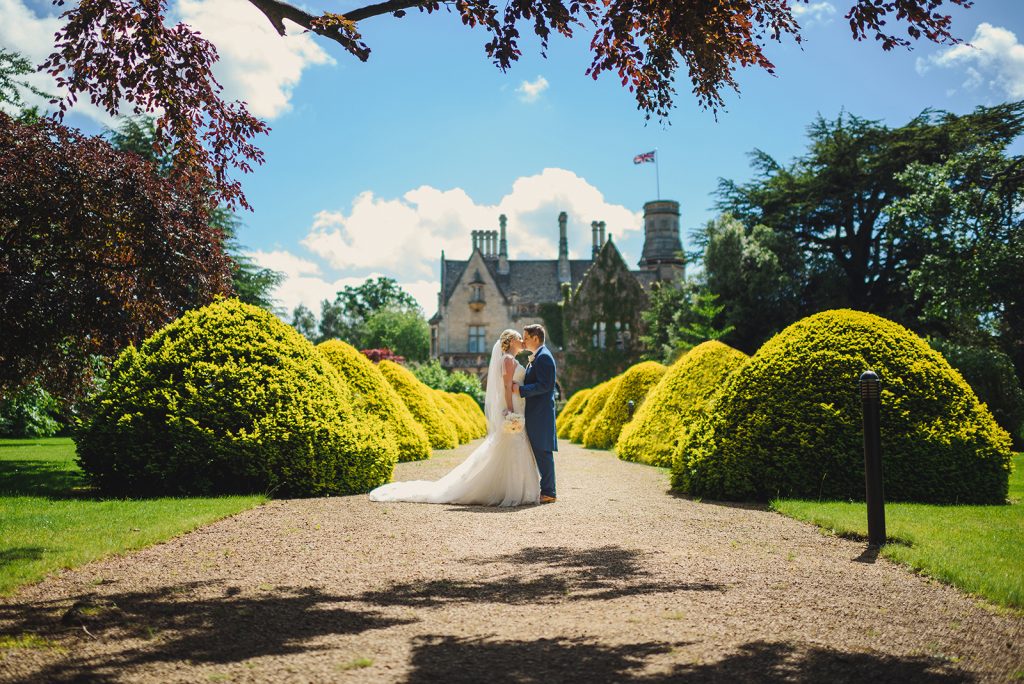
x: 228, y: 399
x: 633, y: 385
x: 372, y: 393
x: 473, y: 412
x: 452, y: 413
x: 788, y: 423
x: 598, y: 396
x: 421, y: 404
x: 678, y: 399
x: 571, y: 411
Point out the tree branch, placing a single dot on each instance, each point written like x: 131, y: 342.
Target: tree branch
x: 381, y: 8
x: 277, y: 11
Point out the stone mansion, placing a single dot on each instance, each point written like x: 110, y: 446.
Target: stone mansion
x: 588, y: 306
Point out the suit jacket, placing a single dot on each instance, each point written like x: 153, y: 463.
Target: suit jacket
x: 538, y: 389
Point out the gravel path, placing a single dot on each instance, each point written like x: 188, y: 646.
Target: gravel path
x: 616, y: 582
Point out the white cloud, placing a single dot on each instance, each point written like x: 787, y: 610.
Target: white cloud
x: 530, y: 91
x: 286, y: 262
x: 814, y: 12
x: 256, y: 64
x: 402, y: 238
x: 417, y: 226
x: 993, y: 58
x: 24, y: 31
x: 304, y: 284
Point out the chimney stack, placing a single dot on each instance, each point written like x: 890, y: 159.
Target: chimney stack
x: 600, y: 227
x: 593, y: 232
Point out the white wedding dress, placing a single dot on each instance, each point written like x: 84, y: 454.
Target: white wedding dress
x: 500, y: 472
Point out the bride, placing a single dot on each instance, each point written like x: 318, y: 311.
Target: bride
x: 502, y: 470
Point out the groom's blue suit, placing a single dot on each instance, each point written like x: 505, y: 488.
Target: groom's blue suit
x: 538, y: 389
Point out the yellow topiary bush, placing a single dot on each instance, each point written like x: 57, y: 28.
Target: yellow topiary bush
x: 678, y: 399
x: 598, y: 396
x: 419, y: 400
x: 371, y: 392
x: 453, y: 413
x: 633, y: 385
x: 571, y: 411
x: 228, y: 399
x: 473, y: 412
x: 789, y: 422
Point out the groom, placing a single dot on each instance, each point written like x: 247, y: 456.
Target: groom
x: 538, y: 389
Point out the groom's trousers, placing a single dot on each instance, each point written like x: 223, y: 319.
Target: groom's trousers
x: 546, y: 466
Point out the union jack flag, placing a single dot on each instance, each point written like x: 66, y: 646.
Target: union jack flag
x: 644, y: 158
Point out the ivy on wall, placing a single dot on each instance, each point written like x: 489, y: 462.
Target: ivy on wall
x: 608, y: 294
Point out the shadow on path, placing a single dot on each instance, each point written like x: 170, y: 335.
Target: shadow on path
x: 455, y: 660
x: 177, y: 626
x: 542, y: 575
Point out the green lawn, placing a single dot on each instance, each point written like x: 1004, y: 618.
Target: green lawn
x: 49, y: 519
x: 977, y: 548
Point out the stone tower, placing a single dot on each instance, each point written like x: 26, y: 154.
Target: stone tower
x: 564, y: 268
x: 662, y: 245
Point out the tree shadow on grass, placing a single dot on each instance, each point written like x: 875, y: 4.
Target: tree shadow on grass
x: 20, y: 553
x: 173, y: 624
x: 51, y: 479
x: 543, y: 575
x: 455, y: 660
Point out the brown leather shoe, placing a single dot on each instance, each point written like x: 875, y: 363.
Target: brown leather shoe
x: 544, y: 498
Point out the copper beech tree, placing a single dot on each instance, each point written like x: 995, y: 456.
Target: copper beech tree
x: 96, y: 251
x: 124, y: 52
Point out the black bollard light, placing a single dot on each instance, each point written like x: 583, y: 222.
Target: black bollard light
x: 630, y: 406
x: 870, y: 395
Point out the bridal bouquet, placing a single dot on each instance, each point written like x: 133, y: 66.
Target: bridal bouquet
x: 514, y: 422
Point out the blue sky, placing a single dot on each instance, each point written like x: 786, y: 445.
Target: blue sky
x: 374, y: 168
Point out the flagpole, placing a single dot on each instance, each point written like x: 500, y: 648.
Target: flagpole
x: 657, y: 174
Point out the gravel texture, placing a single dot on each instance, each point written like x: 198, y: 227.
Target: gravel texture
x: 618, y: 581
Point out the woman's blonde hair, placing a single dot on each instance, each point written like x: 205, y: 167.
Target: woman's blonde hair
x: 507, y: 336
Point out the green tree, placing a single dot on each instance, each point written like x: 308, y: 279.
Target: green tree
x: 304, y: 321
x: 362, y: 301
x: 460, y: 381
x: 703, y: 325
x: 13, y: 68
x: 758, y: 276
x: 98, y: 250
x: 833, y: 200
x: 667, y: 303
x: 681, y: 316
x: 348, y: 316
x: 334, y: 326
x: 432, y: 374
x: 29, y: 412
x: 969, y: 212
x: 251, y: 283
x: 403, y: 331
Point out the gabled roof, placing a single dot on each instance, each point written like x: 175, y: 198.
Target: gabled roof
x: 531, y: 280
x: 534, y: 281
